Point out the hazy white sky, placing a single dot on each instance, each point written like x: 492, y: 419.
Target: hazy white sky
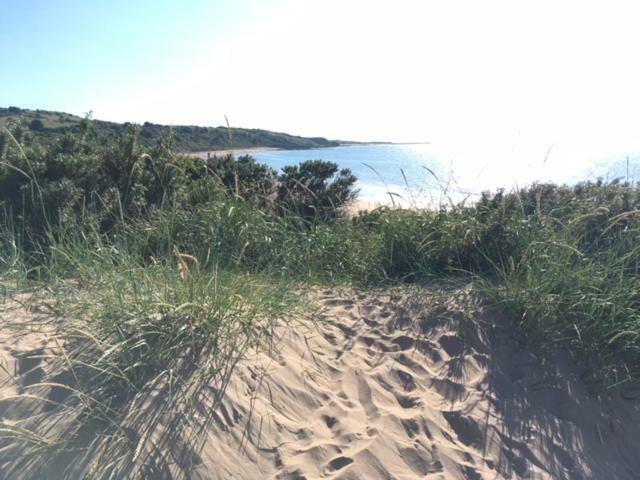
x: 503, y: 78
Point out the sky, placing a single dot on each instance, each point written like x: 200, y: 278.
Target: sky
x: 504, y: 79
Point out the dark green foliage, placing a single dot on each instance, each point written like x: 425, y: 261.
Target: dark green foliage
x: 36, y: 125
x: 244, y: 176
x: 122, y: 179
x: 315, y: 189
x: 50, y: 125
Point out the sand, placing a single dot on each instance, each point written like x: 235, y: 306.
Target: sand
x: 366, y: 397
x: 358, y: 205
x: 413, y: 384
x: 236, y: 152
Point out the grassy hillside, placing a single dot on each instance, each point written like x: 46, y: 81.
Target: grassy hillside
x: 46, y: 125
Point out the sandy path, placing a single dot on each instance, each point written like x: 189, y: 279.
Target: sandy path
x: 384, y: 385
x: 365, y: 397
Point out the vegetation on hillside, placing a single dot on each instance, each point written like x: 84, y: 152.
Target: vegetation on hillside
x: 163, y: 269
x: 46, y: 126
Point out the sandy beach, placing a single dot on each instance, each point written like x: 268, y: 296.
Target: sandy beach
x: 237, y: 152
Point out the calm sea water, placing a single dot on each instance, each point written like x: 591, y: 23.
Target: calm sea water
x: 420, y: 174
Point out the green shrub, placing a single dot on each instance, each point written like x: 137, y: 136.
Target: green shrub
x: 36, y: 125
x: 245, y: 177
x: 315, y: 189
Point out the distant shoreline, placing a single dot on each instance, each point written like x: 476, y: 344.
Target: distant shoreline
x: 250, y: 150
x: 365, y: 144
x: 234, y: 151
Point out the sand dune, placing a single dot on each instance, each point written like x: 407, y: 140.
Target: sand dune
x: 403, y: 385
x: 368, y: 396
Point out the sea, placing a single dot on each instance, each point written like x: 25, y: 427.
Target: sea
x: 424, y: 175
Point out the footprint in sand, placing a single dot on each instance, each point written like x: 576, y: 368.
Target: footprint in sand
x: 411, y: 427
x: 407, y: 402
x: 329, y: 421
x: 365, y: 398
x: 339, y: 463
x: 29, y: 366
x: 405, y: 379
x: 452, y: 345
x: 419, y: 461
x: 468, y: 431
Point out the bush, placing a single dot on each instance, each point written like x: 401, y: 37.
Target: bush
x: 315, y: 189
x: 245, y: 177
x: 36, y: 125
x: 75, y: 174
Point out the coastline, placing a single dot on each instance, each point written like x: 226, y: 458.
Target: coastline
x: 233, y: 151
x: 250, y: 150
